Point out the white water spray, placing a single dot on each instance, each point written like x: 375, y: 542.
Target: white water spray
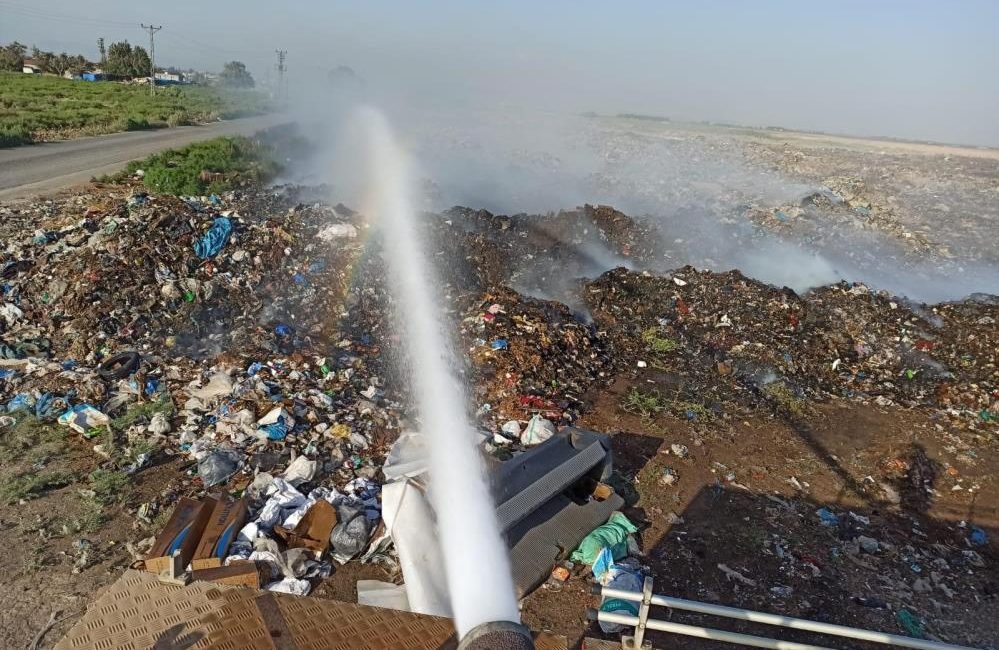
x: 477, y: 565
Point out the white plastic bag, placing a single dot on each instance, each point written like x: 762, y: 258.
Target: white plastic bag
x: 538, y: 430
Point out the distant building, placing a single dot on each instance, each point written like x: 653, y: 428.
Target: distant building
x: 166, y: 78
x: 30, y: 66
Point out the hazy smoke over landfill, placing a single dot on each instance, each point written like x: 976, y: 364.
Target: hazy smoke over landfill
x: 489, y: 100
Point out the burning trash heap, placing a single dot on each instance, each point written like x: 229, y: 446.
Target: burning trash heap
x: 245, y: 338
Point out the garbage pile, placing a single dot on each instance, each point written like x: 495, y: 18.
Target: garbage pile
x: 731, y: 342
x: 237, y: 331
x: 248, y: 334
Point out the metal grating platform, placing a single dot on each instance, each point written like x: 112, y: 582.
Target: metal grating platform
x: 138, y: 612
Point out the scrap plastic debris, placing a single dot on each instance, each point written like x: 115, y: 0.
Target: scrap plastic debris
x: 213, y: 241
x: 84, y: 419
x: 612, y: 535
x: 626, y: 576
x: 276, y: 424
x: 217, y: 466
x: 827, y: 517
x: 537, y: 431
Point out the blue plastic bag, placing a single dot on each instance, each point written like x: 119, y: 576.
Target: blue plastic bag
x: 22, y: 401
x: 215, y: 239
x: 624, y: 578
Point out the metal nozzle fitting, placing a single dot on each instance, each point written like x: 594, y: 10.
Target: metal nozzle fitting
x: 499, y: 635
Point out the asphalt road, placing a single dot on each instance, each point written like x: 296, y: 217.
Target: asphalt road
x: 43, y: 168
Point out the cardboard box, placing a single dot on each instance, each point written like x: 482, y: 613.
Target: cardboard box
x: 313, y: 531
x: 174, y: 547
x: 227, y: 519
x: 244, y: 574
x: 602, y: 492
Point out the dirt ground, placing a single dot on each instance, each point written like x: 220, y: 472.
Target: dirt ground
x: 736, y: 506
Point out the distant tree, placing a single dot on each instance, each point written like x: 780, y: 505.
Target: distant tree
x: 344, y: 77
x: 12, y: 56
x: 45, y: 60
x: 119, y: 60
x: 141, y: 64
x: 60, y: 63
x: 77, y: 64
x: 235, y: 75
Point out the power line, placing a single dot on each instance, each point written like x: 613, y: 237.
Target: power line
x: 185, y: 40
x: 31, y: 12
x: 152, y: 56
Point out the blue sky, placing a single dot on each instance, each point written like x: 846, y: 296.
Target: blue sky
x: 914, y: 69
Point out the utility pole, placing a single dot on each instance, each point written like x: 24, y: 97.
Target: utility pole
x: 100, y: 48
x: 152, y: 57
x: 280, y: 68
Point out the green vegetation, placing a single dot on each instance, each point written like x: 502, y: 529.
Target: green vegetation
x: 206, y: 167
x: 31, y: 483
x: 32, y: 441
x: 650, y: 404
x: 785, y: 399
x: 123, y: 60
x: 109, y: 486
x: 657, y: 343
x: 25, y: 450
x: 645, y: 404
x: 142, y: 412
x: 234, y: 75
x: 35, y: 108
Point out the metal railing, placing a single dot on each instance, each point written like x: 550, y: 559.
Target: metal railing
x: 646, y: 598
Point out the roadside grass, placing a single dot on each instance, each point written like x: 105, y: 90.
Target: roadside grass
x: 37, y: 108
x: 212, y: 166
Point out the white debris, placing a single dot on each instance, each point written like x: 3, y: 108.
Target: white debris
x: 337, y: 231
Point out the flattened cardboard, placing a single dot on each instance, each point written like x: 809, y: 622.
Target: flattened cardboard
x: 313, y: 531
x: 602, y: 492
x: 227, y: 518
x: 245, y: 574
x: 174, y: 547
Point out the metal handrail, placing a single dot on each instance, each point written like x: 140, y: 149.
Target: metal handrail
x: 642, y: 622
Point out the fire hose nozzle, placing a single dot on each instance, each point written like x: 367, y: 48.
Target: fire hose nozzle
x: 499, y: 635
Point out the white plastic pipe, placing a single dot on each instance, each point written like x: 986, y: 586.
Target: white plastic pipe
x: 708, y: 633
x: 783, y: 621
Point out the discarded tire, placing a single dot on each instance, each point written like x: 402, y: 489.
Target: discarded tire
x: 120, y: 365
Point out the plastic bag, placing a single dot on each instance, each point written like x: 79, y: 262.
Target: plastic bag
x: 612, y: 535
x: 84, y: 418
x: 217, y: 466
x: 625, y: 578
x: 538, y: 430
x: 214, y: 240
x: 350, y: 536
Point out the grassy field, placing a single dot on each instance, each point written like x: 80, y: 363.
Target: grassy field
x: 229, y: 163
x: 36, y: 108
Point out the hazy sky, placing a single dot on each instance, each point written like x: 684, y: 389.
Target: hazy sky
x: 907, y: 68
